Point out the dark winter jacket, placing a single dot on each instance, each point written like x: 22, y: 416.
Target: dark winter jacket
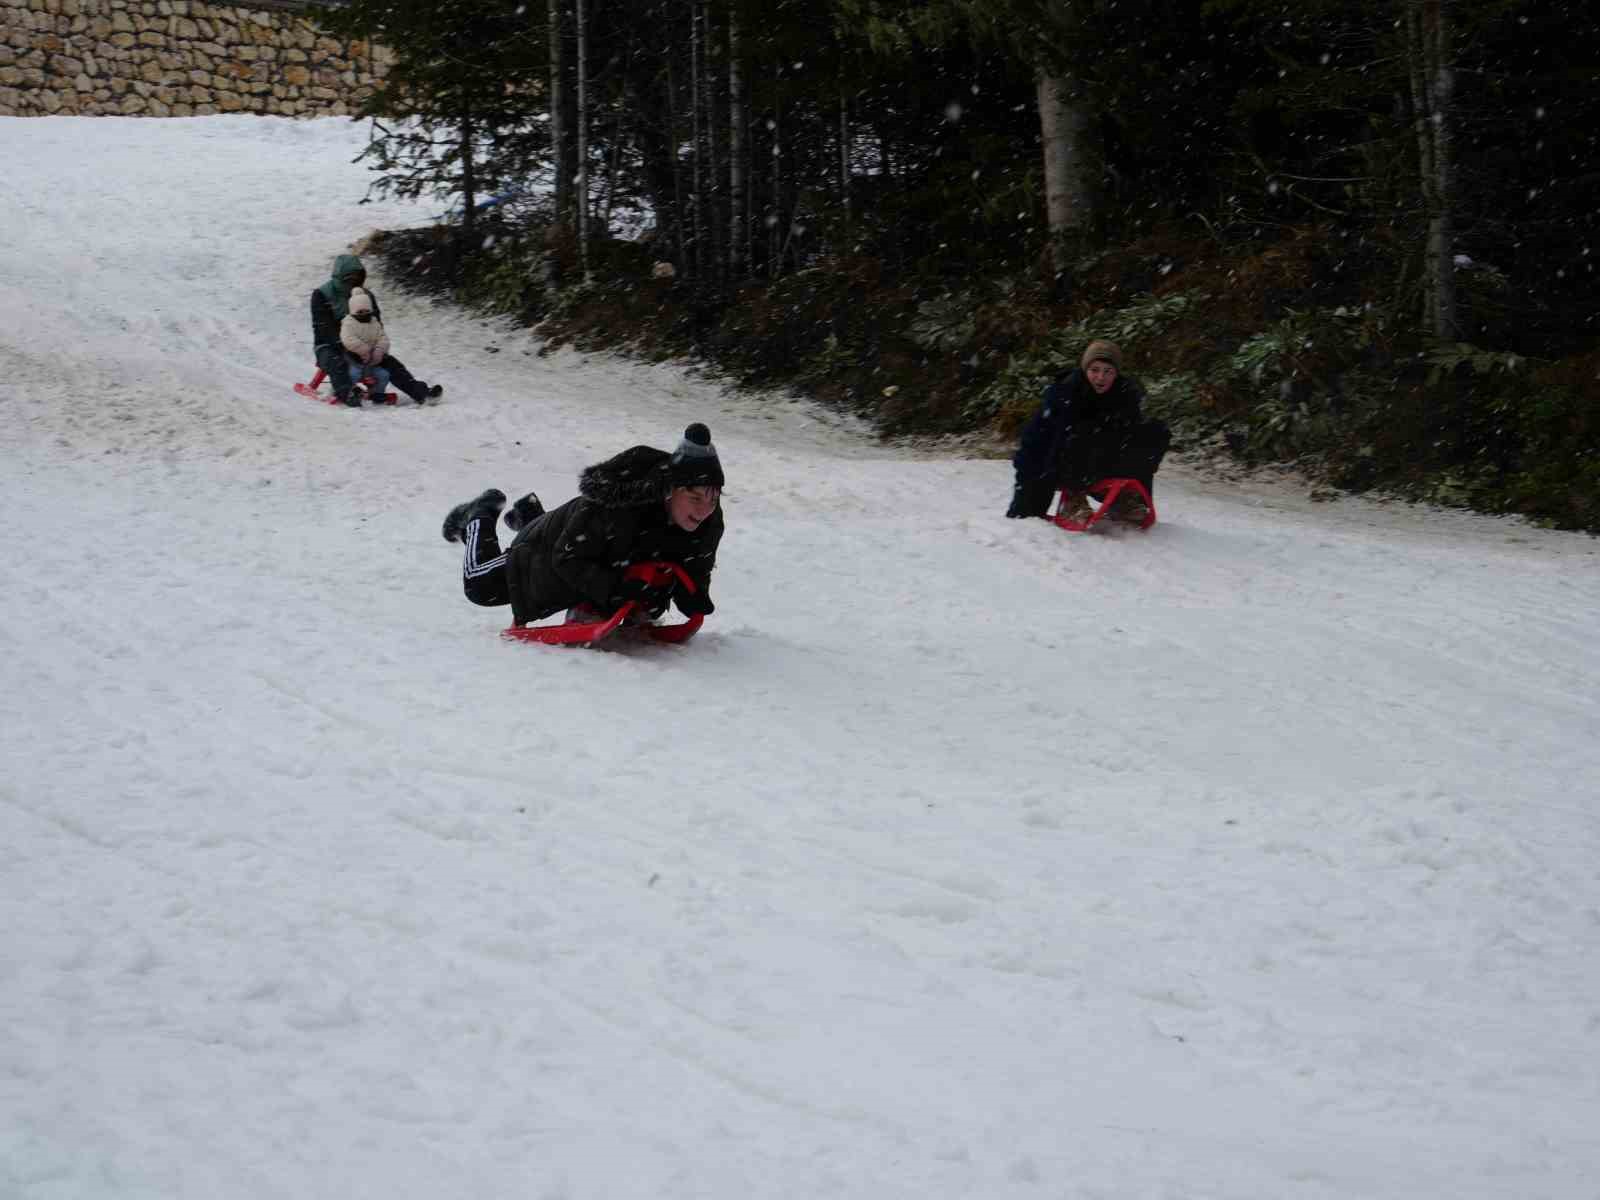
x: 576, y: 553
x: 1074, y: 425
x: 330, y: 303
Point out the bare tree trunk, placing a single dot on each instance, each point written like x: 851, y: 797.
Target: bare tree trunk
x: 739, y: 220
x: 558, y: 131
x: 616, y: 105
x: 775, y: 215
x: 1064, y: 129
x: 715, y: 216
x: 469, y: 174
x: 583, y: 139
x: 679, y: 250
x: 844, y: 154
x: 696, y: 70
x: 613, y: 172
x: 1431, y: 60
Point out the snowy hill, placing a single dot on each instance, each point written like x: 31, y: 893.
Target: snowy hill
x: 1255, y: 856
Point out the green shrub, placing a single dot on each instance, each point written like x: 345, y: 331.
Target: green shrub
x: 1015, y: 391
x: 946, y: 323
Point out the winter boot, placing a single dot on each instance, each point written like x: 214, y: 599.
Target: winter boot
x: 1130, y: 507
x: 523, y: 511
x: 486, y: 505
x: 352, y: 398
x: 430, y: 391
x: 1075, y: 507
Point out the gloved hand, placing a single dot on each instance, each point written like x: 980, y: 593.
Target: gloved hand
x: 694, y: 603
x: 653, y: 598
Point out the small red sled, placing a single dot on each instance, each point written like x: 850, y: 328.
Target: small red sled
x: 309, y: 390
x: 588, y: 633
x: 1106, y: 492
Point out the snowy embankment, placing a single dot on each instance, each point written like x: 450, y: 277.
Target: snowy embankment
x: 1256, y: 856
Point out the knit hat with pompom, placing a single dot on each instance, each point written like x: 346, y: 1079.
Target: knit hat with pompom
x: 695, y: 462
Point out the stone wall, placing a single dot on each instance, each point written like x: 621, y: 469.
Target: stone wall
x: 177, y: 58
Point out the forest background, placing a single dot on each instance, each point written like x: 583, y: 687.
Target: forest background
x: 1352, y: 238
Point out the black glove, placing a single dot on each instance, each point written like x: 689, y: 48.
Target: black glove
x: 692, y: 604
x: 652, y: 597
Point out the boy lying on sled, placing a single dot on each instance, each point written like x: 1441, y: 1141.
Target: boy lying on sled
x: 642, y: 505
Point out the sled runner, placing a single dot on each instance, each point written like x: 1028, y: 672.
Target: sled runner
x: 1106, y: 492
x: 588, y: 633
x: 309, y: 390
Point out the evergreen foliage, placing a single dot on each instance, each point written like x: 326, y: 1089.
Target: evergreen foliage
x: 1354, y: 235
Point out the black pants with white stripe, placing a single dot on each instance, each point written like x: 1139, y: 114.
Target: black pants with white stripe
x: 483, y: 568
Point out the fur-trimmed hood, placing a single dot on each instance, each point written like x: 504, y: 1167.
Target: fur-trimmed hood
x: 642, y: 475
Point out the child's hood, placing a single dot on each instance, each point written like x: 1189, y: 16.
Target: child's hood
x: 641, y: 475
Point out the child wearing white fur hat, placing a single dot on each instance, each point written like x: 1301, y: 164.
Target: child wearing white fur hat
x: 365, y: 343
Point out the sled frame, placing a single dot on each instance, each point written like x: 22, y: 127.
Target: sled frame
x: 589, y: 633
x: 310, y: 390
x: 1106, y: 492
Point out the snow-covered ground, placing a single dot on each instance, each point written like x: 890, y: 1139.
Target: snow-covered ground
x: 1256, y: 856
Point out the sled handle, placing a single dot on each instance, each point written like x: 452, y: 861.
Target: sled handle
x: 661, y: 572
x: 658, y: 573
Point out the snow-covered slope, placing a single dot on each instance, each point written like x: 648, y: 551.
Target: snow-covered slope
x: 1255, y: 856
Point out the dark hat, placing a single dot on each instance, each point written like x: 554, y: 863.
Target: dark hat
x: 695, y: 462
x: 1101, y: 349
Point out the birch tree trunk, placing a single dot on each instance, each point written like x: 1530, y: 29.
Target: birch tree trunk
x: 1430, y: 56
x: 1069, y: 198
x: 738, y: 124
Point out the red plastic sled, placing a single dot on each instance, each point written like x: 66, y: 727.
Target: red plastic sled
x: 587, y: 633
x: 1106, y: 492
x: 309, y: 390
